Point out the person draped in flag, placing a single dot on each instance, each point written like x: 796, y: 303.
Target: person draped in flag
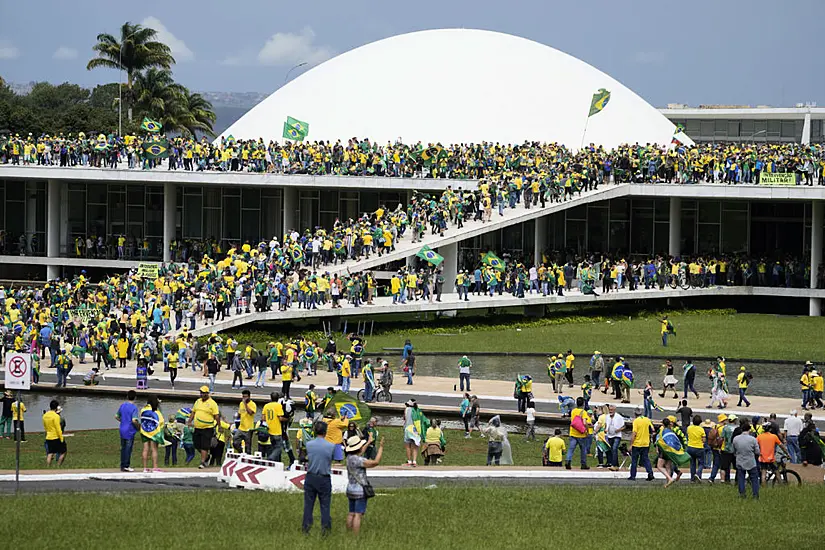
x: 151, y: 432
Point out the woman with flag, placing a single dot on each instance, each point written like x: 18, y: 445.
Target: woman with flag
x: 671, y: 451
x: 151, y: 432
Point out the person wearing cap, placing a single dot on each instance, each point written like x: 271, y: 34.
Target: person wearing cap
x: 358, y: 487
x: 204, y: 417
x: 818, y: 386
x: 727, y: 457
x: 806, y: 385
x: 596, y: 368
x: 640, y: 445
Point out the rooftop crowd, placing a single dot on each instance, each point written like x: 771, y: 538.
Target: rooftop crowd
x: 712, y: 162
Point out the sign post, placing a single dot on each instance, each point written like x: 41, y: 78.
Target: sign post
x: 18, y: 377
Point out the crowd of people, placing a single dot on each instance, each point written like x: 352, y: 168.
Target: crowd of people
x: 710, y: 162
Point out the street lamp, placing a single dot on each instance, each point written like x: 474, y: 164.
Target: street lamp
x: 753, y: 135
x: 286, y: 78
x: 120, y: 85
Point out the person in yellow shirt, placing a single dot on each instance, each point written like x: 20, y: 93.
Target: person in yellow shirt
x: 55, y: 443
x: 743, y: 379
x: 335, y: 433
x: 581, y: 426
x: 273, y: 415
x: 18, y: 411
x: 696, y: 447
x: 246, y: 412
x: 640, y: 445
x: 554, y: 449
x: 286, y: 376
x: 204, y: 417
x: 570, y: 361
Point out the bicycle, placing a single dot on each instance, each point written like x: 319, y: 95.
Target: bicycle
x: 381, y: 395
x: 680, y: 280
x: 778, y: 473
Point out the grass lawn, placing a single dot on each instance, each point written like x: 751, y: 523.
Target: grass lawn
x: 697, y: 334
x: 101, y: 449
x: 443, y: 518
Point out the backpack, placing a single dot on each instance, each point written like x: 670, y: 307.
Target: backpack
x: 715, y: 439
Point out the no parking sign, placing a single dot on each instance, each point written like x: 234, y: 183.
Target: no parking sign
x: 18, y: 371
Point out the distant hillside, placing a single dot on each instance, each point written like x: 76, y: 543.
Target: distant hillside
x: 225, y: 116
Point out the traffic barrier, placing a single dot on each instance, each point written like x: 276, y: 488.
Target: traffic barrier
x: 255, y: 472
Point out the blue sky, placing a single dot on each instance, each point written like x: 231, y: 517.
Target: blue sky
x: 702, y: 51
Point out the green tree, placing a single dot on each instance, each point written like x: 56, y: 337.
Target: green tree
x: 199, y: 117
x: 134, y: 51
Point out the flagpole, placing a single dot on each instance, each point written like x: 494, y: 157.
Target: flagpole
x: 584, y: 133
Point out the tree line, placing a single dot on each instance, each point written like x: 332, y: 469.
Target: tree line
x: 149, y: 90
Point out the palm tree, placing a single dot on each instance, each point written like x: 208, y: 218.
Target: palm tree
x: 199, y: 115
x: 136, y: 50
x: 173, y: 105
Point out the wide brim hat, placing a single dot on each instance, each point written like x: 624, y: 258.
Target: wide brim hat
x: 355, y: 443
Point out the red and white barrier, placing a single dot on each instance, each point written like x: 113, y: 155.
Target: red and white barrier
x: 255, y: 472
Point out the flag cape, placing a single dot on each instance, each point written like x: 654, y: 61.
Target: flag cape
x: 150, y: 125
x: 297, y: 255
x: 493, y: 261
x: 156, y: 149
x: 672, y: 447
x: 599, y: 101
x: 429, y: 255
x: 627, y: 377
x: 101, y: 146
x: 345, y: 405
x: 151, y: 425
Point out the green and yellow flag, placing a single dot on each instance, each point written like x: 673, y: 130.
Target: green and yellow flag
x: 150, y: 125
x: 493, y: 261
x: 599, y: 101
x: 345, y: 406
x: 429, y: 255
x: 295, y: 129
x: 156, y: 149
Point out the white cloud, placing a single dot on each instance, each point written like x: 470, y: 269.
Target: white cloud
x: 64, y: 53
x: 180, y: 51
x: 234, y: 61
x: 286, y: 48
x: 649, y: 58
x: 8, y: 51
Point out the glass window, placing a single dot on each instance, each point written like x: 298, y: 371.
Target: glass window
x: 789, y: 128
x: 231, y: 218
x: 692, y: 127
x: 96, y: 219
x: 733, y: 128
x: 250, y: 226
x: 774, y: 128
x: 661, y: 238
x: 619, y: 210
x: 706, y: 129
x: 709, y: 211
x: 708, y: 238
x: 577, y: 213
x: 619, y: 236
x: 576, y: 237
x: 688, y: 232
x: 192, y: 217
x: 746, y: 127
x: 642, y: 231
x: 135, y: 194
x: 599, y: 225
x: 251, y: 197
x: 662, y: 209
x: 329, y: 201
x: 735, y: 232
x: 211, y: 197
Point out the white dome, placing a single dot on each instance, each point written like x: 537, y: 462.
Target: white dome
x: 456, y: 86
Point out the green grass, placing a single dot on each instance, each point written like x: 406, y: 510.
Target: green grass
x: 101, y: 449
x: 697, y: 334
x: 443, y: 518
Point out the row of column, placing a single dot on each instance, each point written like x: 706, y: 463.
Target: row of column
x: 449, y: 252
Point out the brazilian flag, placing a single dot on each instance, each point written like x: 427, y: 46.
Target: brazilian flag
x: 297, y: 254
x: 430, y: 155
x: 101, y: 146
x: 672, y: 447
x: 493, y: 261
x: 599, y: 101
x: 295, y: 129
x: 429, y: 255
x: 183, y: 413
x: 345, y: 405
x: 151, y: 425
x: 156, y: 149
x: 627, y: 377
x: 150, y: 125
x: 338, y: 245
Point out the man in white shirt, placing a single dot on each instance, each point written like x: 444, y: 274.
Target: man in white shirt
x: 793, y: 425
x: 534, y: 279
x: 614, y: 426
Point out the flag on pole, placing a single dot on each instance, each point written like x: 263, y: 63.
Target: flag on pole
x: 493, y: 261
x: 295, y: 129
x: 599, y: 101
x: 150, y: 125
x: 429, y: 255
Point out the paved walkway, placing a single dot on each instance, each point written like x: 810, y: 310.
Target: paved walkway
x: 494, y: 395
